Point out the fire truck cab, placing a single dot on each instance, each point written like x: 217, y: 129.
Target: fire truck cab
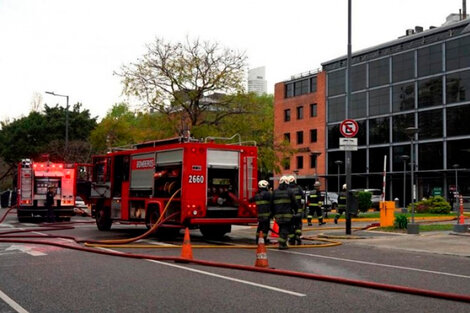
x: 211, y: 184
x: 35, y: 179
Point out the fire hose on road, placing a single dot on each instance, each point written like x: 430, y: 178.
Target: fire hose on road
x: 289, y: 273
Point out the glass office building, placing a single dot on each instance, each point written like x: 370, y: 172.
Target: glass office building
x: 420, y: 80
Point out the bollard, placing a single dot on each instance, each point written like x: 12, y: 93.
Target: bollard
x: 460, y: 227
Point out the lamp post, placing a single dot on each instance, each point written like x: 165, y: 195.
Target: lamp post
x: 66, y: 116
x: 456, y: 193
x: 412, y: 228
x: 339, y: 163
x: 404, y: 158
x: 315, y: 154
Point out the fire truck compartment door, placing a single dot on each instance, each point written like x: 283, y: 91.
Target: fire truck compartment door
x: 223, y: 159
x: 169, y: 157
x: 143, y: 168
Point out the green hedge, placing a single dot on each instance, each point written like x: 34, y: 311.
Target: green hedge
x: 436, y: 205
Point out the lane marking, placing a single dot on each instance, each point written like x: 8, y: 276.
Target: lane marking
x: 231, y: 279
x: 378, y: 264
x: 15, y: 306
x: 26, y: 249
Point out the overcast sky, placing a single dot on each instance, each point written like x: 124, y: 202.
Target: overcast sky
x: 72, y: 47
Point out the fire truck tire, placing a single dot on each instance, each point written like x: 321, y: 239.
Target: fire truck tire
x: 103, y: 219
x: 215, y: 231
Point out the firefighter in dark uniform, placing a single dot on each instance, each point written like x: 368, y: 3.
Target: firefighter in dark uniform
x: 341, y: 203
x: 263, y: 200
x: 50, y: 205
x: 284, y: 206
x: 314, y: 205
x: 296, y: 229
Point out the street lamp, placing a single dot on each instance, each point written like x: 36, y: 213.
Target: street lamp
x: 339, y: 163
x: 315, y: 154
x: 456, y: 193
x: 404, y: 158
x: 66, y: 116
x: 412, y: 228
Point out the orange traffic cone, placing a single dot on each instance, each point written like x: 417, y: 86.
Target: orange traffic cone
x: 275, y: 230
x: 186, y: 251
x: 261, y: 255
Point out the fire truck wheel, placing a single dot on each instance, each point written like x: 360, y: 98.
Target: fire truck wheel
x: 215, y: 231
x: 103, y: 220
x: 22, y: 217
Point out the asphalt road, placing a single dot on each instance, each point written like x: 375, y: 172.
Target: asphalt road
x: 41, y: 278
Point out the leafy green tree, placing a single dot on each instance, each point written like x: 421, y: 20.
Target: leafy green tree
x: 43, y: 133
x: 176, y: 79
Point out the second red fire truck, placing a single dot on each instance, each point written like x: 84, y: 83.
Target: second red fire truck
x: 35, y: 179
x: 211, y: 184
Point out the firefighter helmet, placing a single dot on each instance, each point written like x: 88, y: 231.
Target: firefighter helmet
x: 345, y: 187
x: 317, y: 184
x: 263, y: 184
x: 283, y: 180
x: 291, y: 179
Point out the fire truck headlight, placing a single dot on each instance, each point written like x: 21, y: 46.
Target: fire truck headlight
x: 195, y: 212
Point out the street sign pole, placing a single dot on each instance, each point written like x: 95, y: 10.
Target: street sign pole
x: 348, y: 153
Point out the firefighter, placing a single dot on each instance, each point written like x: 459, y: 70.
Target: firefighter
x: 263, y: 200
x: 296, y: 230
x: 50, y: 205
x: 314, y: 205
x: 341, y: 203
x: 284, y: 205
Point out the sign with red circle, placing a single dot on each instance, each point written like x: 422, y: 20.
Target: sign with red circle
x: 349, y: 128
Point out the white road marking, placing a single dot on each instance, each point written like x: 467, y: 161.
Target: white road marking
x: 153, y: 242
x: 231, y: 278
x: 377, y: 264
x: 220, y: 276
x: 15, y: 306
x: 25, y: 249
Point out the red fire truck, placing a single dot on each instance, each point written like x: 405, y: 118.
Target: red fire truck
x: 216, y: 181
x: 34, y: 180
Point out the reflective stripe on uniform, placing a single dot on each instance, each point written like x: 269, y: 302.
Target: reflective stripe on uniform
x: 283, y: 215
x: 264, y: 214
x: 262, y: 202
x: 279, y: 201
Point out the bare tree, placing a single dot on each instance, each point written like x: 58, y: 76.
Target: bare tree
x: 36, y: 102
x: 192, y: 81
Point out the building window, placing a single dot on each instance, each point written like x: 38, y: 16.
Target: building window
x: 457, y: 120
x: 313, y: 109
x: 430, y: 124
x: 457, y: 55
x: 403, y: 66
x: 458, y: 87
x: 336, y: 107
x: 287, y: 115
x: 313, y: 84
x: 379, y: 72
x: 289, y: 90
x: 300, y: 137
x: 313, y: 135
x: 313, y: 161
x: 357, y: 107
x: 379, y: 101
x: 300, y: 112
x: 427, y: 149
x: 287, y: 137
x: 403, y: 97
x: 336, y: 82
x: 399, y: 124
x: 430, y: 60
x: 300, y: 162
x: 379, y: 130
x: 286, y: 163
x: 358, y: 77
x: 430, y: 92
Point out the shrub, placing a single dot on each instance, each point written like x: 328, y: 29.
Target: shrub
x: 401, y: 221
x: 436, y: 205
x: 364, y: 200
